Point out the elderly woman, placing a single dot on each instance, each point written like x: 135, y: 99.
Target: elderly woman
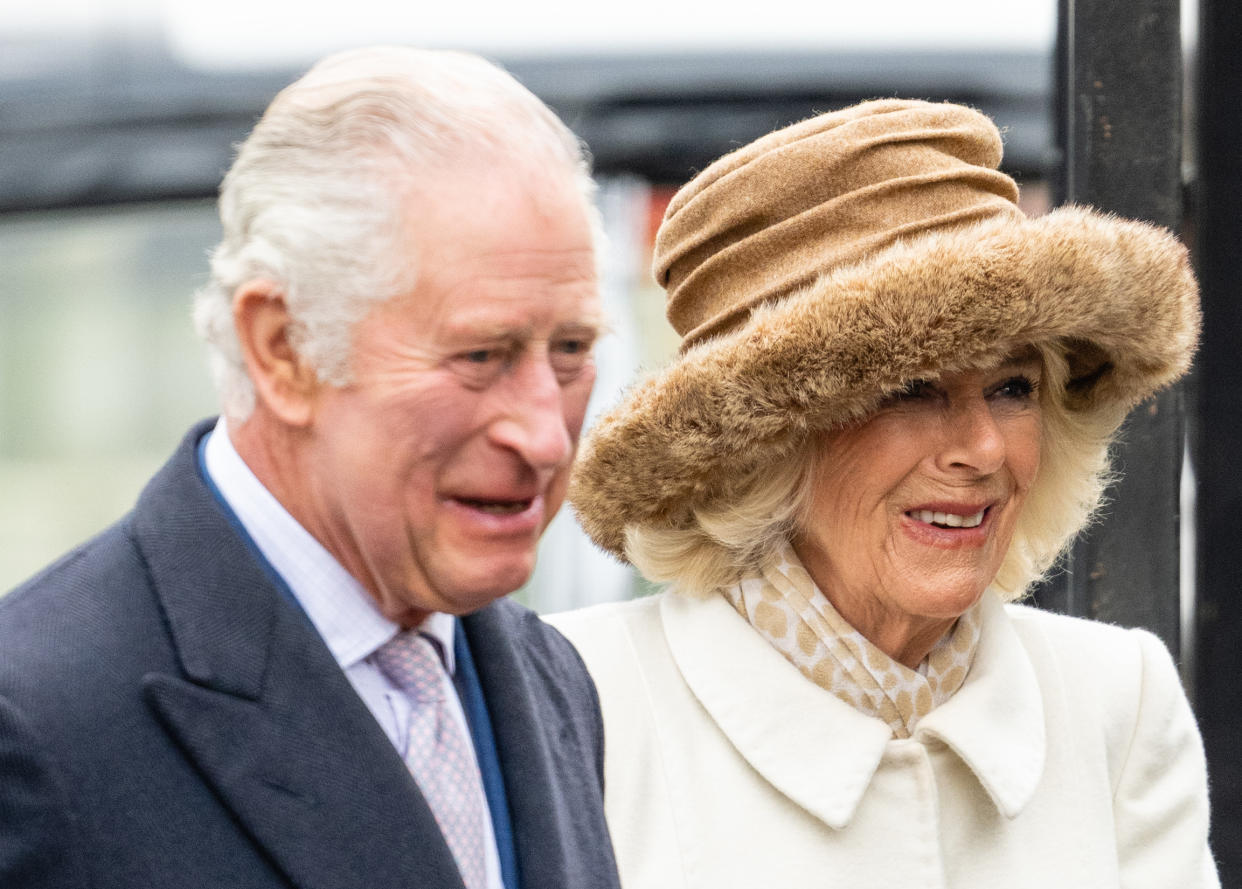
x: 890, y: 414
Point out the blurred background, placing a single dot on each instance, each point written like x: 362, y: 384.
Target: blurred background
x: 119, y: 117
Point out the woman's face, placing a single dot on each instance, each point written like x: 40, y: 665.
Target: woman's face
x: 912, y: 511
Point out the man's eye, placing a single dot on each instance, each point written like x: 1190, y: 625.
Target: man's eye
x: 570, y: 356
x: 572, y: 347
x: 480, y: 367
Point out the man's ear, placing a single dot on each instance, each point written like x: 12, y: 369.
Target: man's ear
x: 283, y: 380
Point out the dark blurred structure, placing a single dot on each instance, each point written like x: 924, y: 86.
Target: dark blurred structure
x: 1118, y: 119
x: 1217, y: 222
x: 100, y: 122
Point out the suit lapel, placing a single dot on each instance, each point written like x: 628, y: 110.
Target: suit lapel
x: 539, y: 755
x: 265, y: 713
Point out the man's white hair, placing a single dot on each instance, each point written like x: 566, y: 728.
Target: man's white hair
x: 318, y: 198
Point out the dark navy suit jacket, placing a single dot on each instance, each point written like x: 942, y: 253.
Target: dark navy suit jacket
x: 169, y: 719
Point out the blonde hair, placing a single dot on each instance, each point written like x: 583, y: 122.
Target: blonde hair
x: 1074, y: 471
x: 722, y: 544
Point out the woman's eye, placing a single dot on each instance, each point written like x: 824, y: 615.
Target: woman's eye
x: 913, y: 392
x: 915, y: 389
x: 1019, y: 387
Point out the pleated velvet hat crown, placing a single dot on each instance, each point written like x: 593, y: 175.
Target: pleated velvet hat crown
x: 830, y: 263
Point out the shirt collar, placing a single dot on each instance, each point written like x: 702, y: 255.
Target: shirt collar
x: 440, y: 627
x: 341, y: 610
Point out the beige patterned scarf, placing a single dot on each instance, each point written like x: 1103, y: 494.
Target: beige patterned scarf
x: 788, y: 610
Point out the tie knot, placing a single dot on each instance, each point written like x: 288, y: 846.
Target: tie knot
x: 412, y: 661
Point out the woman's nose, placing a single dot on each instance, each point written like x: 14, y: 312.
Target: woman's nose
x: 973, y: 438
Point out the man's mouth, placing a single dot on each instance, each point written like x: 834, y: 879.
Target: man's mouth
x: 497, y: 507
x: 948, y: 519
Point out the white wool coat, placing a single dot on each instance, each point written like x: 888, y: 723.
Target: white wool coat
x: 1068, y: 759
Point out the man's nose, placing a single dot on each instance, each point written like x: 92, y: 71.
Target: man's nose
x: 532, y: 420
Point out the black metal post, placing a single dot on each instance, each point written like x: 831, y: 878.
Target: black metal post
x: 1119, y: 100
x: 1218, y: 432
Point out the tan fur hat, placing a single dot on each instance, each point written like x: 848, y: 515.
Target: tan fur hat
x: 829, y: 263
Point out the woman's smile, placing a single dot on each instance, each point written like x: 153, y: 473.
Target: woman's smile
x: 946, y: 527
x: 914, y: 509
x: 948, y: 519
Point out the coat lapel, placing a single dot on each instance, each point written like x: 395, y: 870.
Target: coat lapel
x: 265, y: 713
x: 557, y: 830
x: 995, y: 722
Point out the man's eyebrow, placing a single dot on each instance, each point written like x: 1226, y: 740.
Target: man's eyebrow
x: 463, y: 329
x: 467, y: 328
x: 594, y: 326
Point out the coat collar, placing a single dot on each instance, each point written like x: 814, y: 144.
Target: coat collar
x: 780, y: 722
x: 995, y: 722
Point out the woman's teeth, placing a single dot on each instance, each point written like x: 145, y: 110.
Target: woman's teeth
x: 949, y: 519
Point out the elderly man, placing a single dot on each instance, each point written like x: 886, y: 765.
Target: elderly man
x: 291, y: 664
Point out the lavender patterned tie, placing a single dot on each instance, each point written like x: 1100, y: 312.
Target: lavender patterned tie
x: 438, y: 753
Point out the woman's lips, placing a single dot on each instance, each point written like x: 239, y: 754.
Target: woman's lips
x: 946, y: 525
x: 948, y: 519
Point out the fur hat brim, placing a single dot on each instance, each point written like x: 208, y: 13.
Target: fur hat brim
x: 1118, y: 296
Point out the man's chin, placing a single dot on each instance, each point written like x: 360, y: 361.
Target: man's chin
x: 485, y: 583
